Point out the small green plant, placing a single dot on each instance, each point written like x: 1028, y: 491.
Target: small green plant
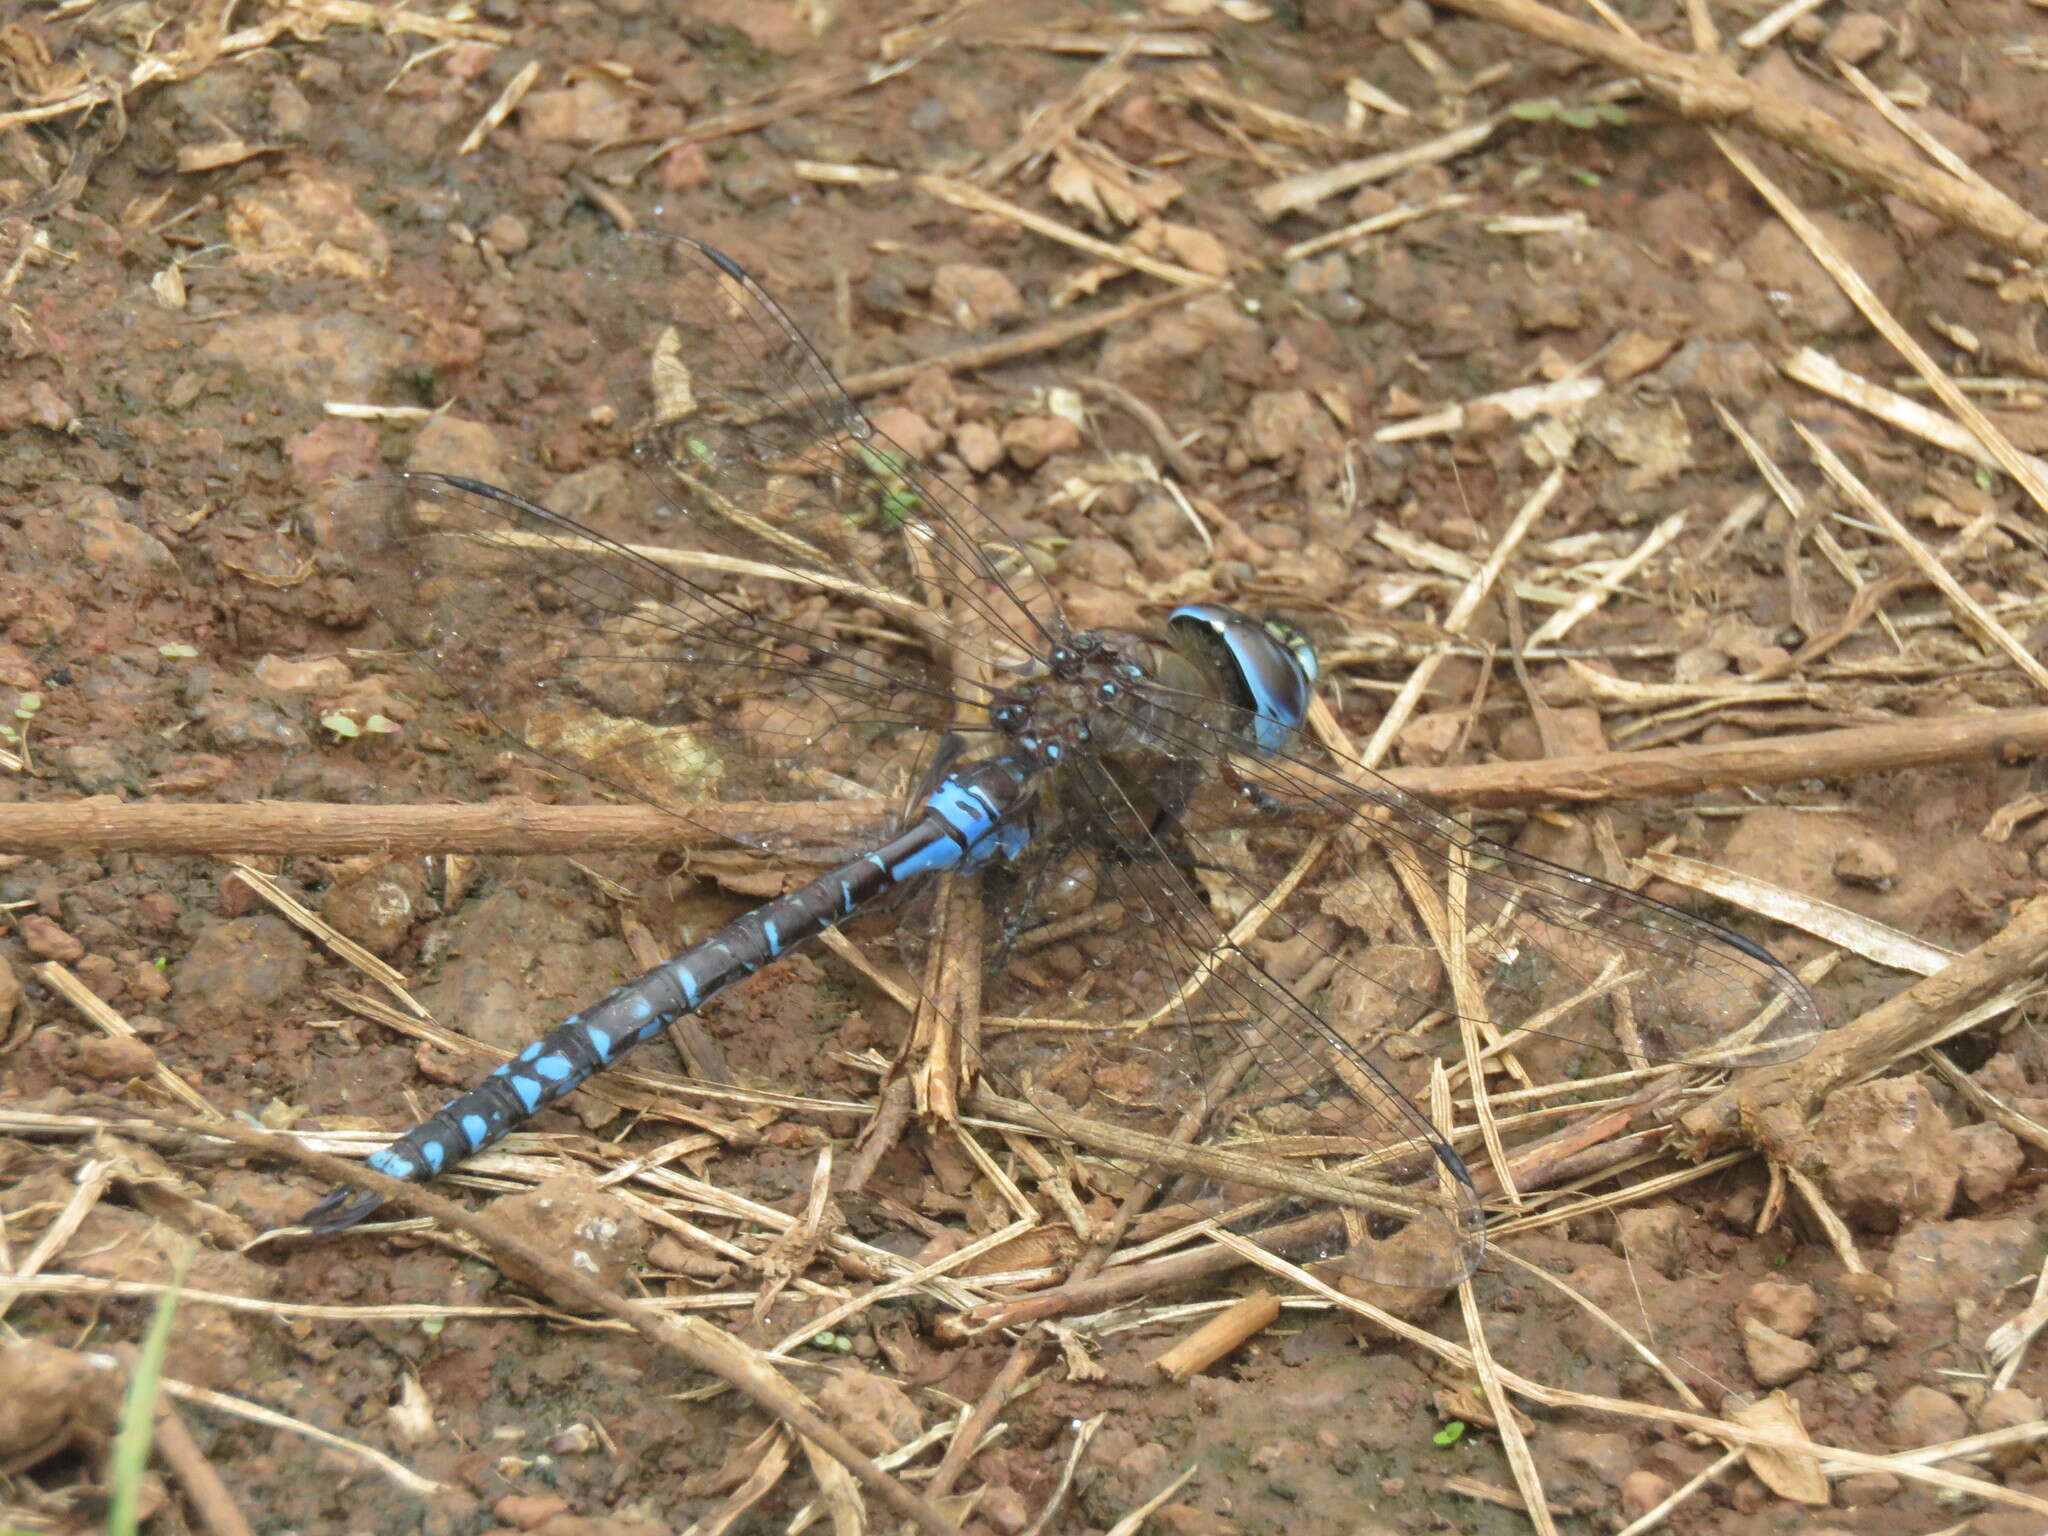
x: 130, y: 1456
x: 348, y: 728
x: 177, y: 650
x: 1450, y: 1434
x: 1586, y: 116
x: 25, y: 710
x: 900, y: 500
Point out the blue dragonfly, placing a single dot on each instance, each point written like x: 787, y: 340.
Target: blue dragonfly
x: 1192, y: 913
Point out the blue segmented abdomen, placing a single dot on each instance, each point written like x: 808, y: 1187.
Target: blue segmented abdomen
x: 963, y: 827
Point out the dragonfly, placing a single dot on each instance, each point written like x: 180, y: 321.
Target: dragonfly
x: 1194, y: 917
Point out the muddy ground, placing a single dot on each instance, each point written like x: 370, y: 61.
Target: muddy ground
x: 272, y: 230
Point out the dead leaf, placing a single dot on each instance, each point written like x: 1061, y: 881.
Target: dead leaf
x: 211, y: 157
x: 1084, y: 175
x: 1195, y: 249
x: 1787, y: 1474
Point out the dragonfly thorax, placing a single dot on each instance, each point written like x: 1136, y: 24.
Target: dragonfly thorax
x: 1076, y: 699
x: 1112, y: 691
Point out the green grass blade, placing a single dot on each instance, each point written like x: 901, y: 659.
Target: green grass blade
x: 138, y: 1411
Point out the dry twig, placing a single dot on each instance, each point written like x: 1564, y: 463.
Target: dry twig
x: 1709, y: 90
x: 708, y: 1348
x: 1781, y: 1097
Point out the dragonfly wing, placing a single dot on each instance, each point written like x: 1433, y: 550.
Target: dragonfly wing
x: 629, y: 660
x: 780, y: 604
x: 1128, y: 993
x: 745, y: 432
x: 1591, y: 973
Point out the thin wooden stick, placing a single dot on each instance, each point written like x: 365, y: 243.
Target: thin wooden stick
x: 1710, y: 90
x: 975, y: 199
x: 1509, y: 1427
x: 1968, y: 609
x: 252, y: 1412
x: 60, y: 980
x: 1219, y: 1335
x: 203, y: 1485
x: 1865, y: 298
x: 1897, y: 1027
x: 1043, y: 338
x: 708, y: 1348
x: 1023, y: 1356
x: 1461, y: 611
x: 70, y: 827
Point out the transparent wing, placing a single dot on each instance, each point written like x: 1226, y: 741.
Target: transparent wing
x: 1549, y: 960
x: 1284, y: 957
x: 1543, y: 957
x: 783, y: 605
x: 645, y: 667
x: 1401, y: 924
x: 1124, y: 991
x: 743, y: 429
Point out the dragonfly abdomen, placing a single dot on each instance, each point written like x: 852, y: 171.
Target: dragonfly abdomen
x: 968, y: 821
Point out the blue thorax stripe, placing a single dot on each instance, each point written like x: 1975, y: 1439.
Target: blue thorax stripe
x: 966, y: 809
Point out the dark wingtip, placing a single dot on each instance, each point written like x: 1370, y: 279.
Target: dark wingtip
x: 340, y: 1211
x: 1451, y: 1160
x: 719, y: 259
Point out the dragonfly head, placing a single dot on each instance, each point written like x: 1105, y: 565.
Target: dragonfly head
x: 1267, y: 666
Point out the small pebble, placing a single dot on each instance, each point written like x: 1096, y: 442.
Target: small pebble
x: 980, y: 449
x: 1857, y: 38
x: 1991, y: 1159
x: 1925, y: 1416
x: 1775, y: 1359
x: 1867, y: 862
x: 975, y: 298
x: 1005, y: 1510
x: 46, y: 941
x: 1790, y: 1309
x: 529, y: 1511
x: 1031, y: 440
x: 1642, y: 1491
x: 507, y: 234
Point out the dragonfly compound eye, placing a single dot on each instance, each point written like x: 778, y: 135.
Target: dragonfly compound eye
x: 1266, y: 670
